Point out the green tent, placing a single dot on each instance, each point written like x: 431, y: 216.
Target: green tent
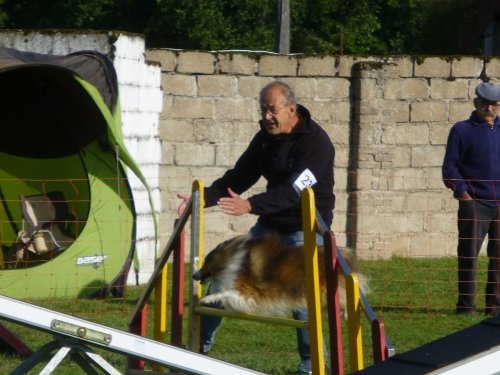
x: 67, y: 218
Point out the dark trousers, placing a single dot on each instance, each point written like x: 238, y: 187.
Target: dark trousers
x: 475, y: 221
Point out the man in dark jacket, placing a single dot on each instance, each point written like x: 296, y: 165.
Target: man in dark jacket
x: 471, y: 168
x: 292, y: 152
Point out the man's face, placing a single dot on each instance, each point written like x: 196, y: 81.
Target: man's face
x: 278, y: 116
x: 487, y: 110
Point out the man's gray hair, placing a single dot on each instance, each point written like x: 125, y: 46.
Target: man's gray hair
x: 286, y: 90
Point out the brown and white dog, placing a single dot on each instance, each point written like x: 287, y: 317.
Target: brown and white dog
x: 262, y: 276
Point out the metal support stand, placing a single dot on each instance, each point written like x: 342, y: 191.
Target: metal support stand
x: 80, y: 353
x: 73, y: 334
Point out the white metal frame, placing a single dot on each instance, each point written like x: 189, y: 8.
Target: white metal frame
x: 74, y: 334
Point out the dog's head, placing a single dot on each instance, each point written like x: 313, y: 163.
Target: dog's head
x: 219, y: 259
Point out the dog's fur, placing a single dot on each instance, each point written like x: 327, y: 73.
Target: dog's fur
x: 262, y: 276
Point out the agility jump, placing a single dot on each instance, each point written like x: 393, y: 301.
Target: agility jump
x: 73, y: 335
x: 357, y: 302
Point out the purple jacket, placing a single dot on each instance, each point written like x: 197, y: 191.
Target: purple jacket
x: 472, y: 160
x: 280, y: 161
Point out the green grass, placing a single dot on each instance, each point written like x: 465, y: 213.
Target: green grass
x: 414, y: 298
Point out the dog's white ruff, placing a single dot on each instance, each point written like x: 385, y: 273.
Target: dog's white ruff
x: 222, y: 288
x: 232, y: 300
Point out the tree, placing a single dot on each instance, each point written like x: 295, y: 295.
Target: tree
x: 378, y: 27
x: 214, y: 24
x: 325, y: 26
x: 126, y: 15
x: 426, y: 26
x: 3, y: 15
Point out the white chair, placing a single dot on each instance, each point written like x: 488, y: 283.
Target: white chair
x: 47, y: 218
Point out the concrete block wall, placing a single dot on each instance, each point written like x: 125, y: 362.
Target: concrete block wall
x: 387, y: 117
x: 141, y: 103
x: 211, y: 113
x: 401, y: 122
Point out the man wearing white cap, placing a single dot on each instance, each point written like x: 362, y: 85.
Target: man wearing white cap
x: 471, y: 168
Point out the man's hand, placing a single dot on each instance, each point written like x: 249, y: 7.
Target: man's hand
x: 185, y: 198
x: 234, y: 204
x: 465, y: 197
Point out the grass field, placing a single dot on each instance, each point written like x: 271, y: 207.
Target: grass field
x: 414, y: 298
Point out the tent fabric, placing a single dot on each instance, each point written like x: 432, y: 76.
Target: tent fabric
x: 33, y: 79
x: 61, y: 132
x: 41, y: 75
x: 92, y: 66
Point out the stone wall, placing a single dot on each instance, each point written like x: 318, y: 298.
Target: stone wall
x: 388, y: 119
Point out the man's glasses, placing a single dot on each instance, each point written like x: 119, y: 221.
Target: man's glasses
x: 273, y: 111
x: 486, y: 104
